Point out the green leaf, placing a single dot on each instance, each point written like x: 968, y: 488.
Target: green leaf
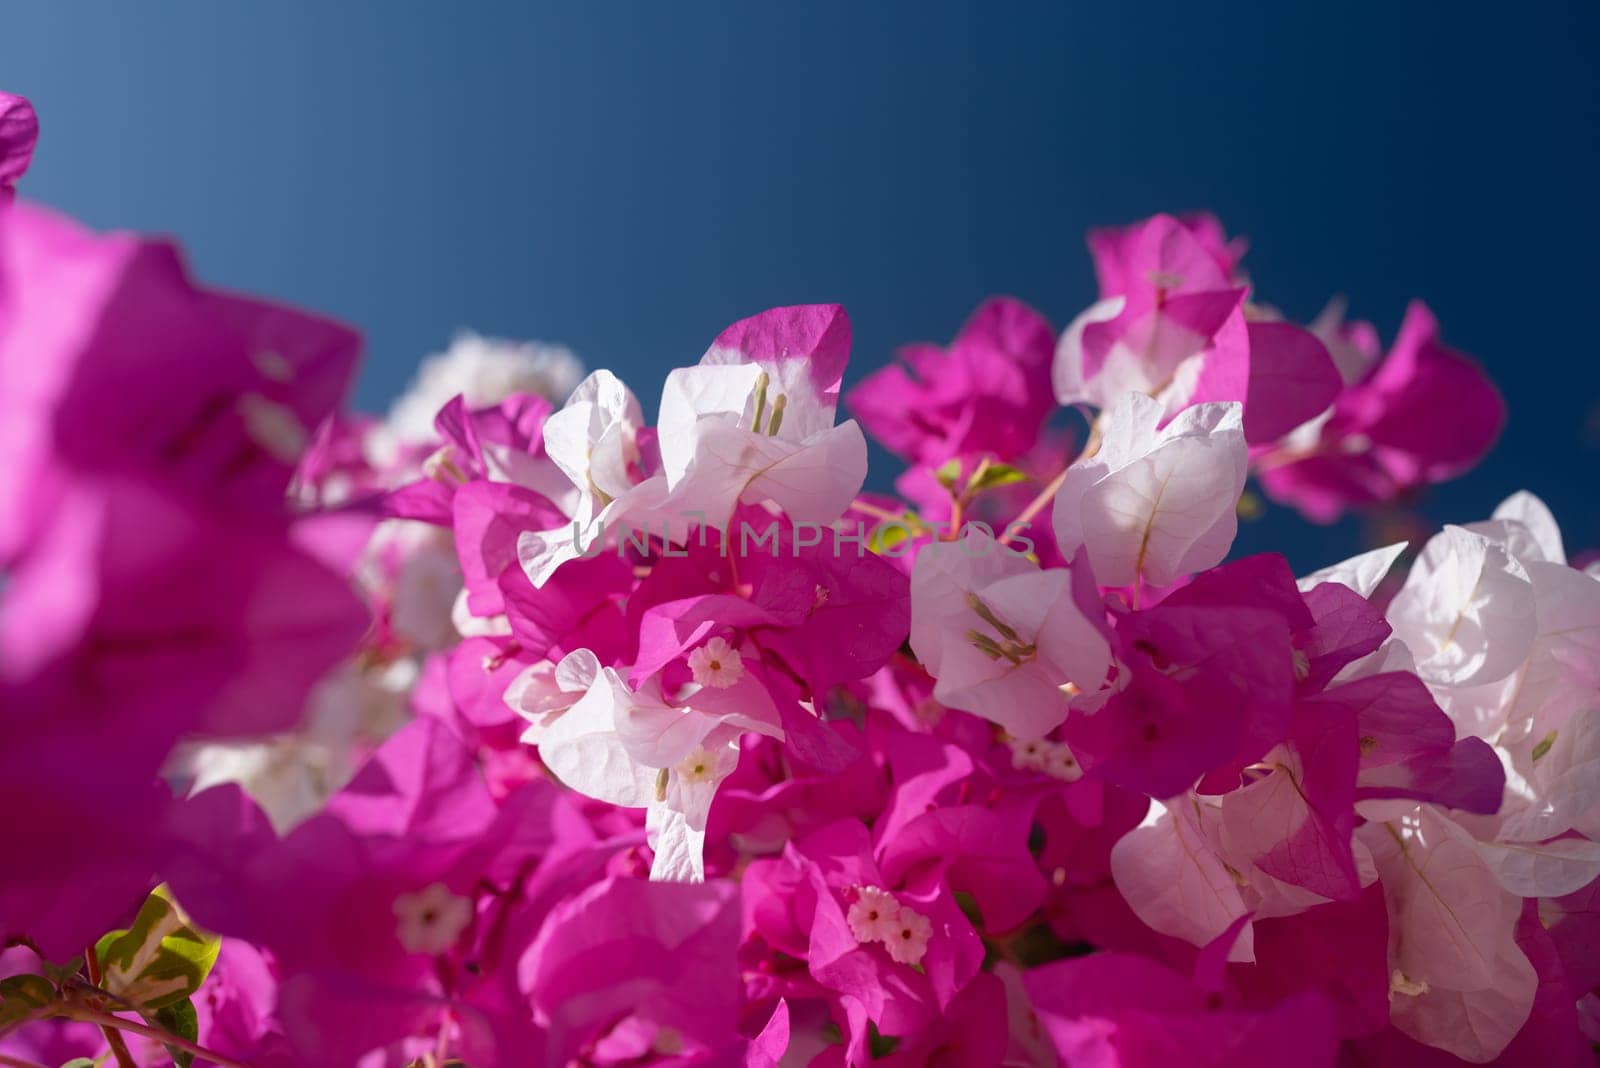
x: 80, y: 1062
x: 180, y: 1020
x: 969, y: 908
x: 880, y: 1045
x: 1250, y: 506
x: 947, y: 473
x: 23, y: 997
x: 161, y: 960
x: 1038, y: 944
x: 34, y: 991
x: 992, y: 476
x: 60, y: 973
x: 888, y: 536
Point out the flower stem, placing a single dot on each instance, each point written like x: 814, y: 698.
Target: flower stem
x: 1048, y: 494
x: 873, y: 510
x: 106, y: 1020
x: 1037, y: 505
x: 18, y: 1062
x: 119, y: 1048
x: 443, y: 1047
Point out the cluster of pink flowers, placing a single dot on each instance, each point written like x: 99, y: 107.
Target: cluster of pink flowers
x: 546, y: 735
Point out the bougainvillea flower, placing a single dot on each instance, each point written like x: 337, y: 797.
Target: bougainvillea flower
x: 1361, y: 573
x: 1292, y: 380
x: 831, y: 612
x: 1179, y: 253
x: 1169, y: 323
x: 483, y: 371
x: 636, y: 962
x: 19, y: 132
x: 384, y: 905
x: 200, y: 624
x: 1294, y: 822
x: 1409, y: 747
x: 1386, y: 433
x: 484, y: 734
x: 1172, y: 872
x: 1175, y: 349
x: 977, y: 851
x: 1330, y: 625
x: 1173, y: 324
x: 1000, y: 635
x: 1458, y: 980
x: 754, y: 420
x: 642, y: 749
x: 1561, y: 672
x: 1155, y: 503
x: 1205, y: 687
x: 1117, y: 1010
x: 488, y: 518
x: 896, y: 972
x: 774, y: 796
x: 988, y: 393
x: 78, y: 865
x: 1338, y: 949
x: 594, y: 439
x: 500, y: 444
x: 599, y: 442
x: 112, y: 359
x: 1466, y: 611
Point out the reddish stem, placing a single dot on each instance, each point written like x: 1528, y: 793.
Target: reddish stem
x: 119, y: 1048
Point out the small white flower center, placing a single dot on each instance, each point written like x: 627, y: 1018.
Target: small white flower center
x: 1040, y: 754
x: 431, y: 919
x: 877, y: 916
x: 698, y: 767
x: 909, y: 940
x: 873, y: 914
x: 716, y: 664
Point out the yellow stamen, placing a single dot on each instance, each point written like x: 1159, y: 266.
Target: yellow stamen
x: 762, y: 382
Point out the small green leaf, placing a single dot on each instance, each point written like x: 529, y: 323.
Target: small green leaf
x: 993, y: 476
x: 947, y: 473
x: 161, y: 960
x: 180, y: 1020
x: 880, y: 1045
x: 34, y: 991
x: 969, y: 908
x: 1038, y: 944
x: 891, y: 534
x: 24, y: 997
x: 80, y: 1062
x: 60, y: 973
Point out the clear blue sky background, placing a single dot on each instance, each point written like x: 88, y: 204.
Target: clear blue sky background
x: 627, y: 178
